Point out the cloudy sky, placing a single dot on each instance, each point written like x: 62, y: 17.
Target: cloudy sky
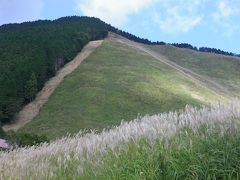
x: 212, y: 23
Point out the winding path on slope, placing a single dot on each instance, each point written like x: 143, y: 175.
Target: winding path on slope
x: 32, y: 109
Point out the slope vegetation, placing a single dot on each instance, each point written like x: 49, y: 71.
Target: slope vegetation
x: 219, y: 72
x: 116, y: 82
x: 153, y: 51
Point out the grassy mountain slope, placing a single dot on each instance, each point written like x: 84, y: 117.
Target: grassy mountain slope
x: 116, y: 82
x: 223, y: 70
x: 32, y: 52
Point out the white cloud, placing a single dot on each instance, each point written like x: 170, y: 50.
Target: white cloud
x: 12, y: 11
x: 112, y: 11
x: 179, y: 16
x: 192, y: 5
x: 224, y: 10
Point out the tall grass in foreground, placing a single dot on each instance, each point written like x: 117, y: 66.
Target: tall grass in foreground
x: 194, y: 144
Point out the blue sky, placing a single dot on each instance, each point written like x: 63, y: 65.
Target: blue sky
x: 212, y: 23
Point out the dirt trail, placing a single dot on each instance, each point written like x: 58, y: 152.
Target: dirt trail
x: 32, y: 109
x: 202, y: 80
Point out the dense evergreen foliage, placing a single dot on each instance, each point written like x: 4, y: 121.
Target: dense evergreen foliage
x: 216, y: 51
x: 128, y: 35
x: 179, y: 45
x: 184, y: 45
x: 204, y: 49
x: 31, y: 52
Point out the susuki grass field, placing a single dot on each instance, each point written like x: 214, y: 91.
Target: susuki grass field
x: 190, y: 144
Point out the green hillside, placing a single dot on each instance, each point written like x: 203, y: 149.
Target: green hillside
x: 223, y: 70
x: 116, y: 82
x: 32, y: 52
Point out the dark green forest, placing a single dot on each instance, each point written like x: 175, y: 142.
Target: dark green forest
x: 32, y: 52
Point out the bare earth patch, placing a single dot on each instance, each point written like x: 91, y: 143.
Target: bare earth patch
x: 32, y: 109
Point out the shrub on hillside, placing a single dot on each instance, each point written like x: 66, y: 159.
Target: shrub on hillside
x: 2, y: 133
x: 25, y: 139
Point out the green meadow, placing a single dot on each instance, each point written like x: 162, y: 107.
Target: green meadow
x: 221, y: 69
